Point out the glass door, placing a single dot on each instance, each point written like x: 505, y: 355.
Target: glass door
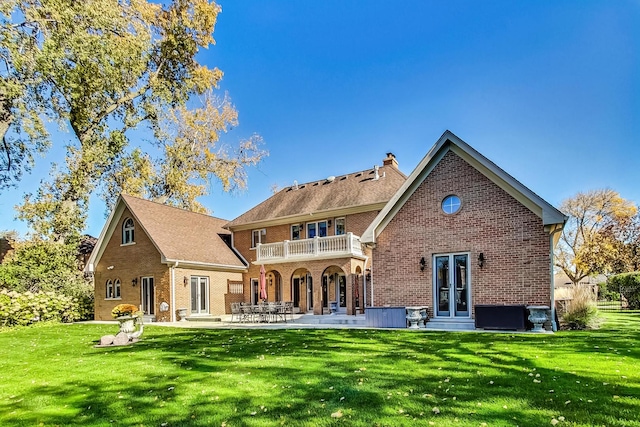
x: 451, y: 285
x: 342, y: 292
x: 199, y: 295
x: 148, y: 296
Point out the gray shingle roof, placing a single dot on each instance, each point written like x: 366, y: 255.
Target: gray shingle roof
x: 344, y: 191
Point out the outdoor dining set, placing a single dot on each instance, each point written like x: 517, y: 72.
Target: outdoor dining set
x: 263, y: 312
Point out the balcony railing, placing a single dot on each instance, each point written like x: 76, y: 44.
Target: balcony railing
x: 345, y: 245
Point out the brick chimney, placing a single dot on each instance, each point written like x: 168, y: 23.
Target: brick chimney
x: 390, y: 160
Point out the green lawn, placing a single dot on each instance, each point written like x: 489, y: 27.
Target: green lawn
x: 52, y: 375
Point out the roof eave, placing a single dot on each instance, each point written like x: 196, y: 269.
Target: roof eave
x: 199, y: 264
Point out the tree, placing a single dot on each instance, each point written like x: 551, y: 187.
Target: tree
x: 103, y: 68
x: 588, y: 244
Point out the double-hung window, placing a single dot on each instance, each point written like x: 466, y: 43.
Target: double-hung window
x: 296, y: 232
x: 258, y: 236
x: 340, y: 227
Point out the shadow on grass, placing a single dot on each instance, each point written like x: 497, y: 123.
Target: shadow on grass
x: 301, y: 377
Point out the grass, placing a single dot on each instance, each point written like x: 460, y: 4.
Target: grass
x: 52, y: 375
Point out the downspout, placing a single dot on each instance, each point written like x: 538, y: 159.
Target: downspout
x: 364, y: 282
x: 554, y: 325
x: 173, y: 291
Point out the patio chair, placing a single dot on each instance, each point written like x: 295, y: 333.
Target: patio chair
x: 247, y: 313
x: 288, y: 309
x: 280, y: 311
x: 236, y: 312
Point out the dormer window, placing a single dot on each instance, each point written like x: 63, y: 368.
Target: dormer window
x: 127, y: 231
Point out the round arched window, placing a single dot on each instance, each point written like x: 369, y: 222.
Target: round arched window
x: 451, y: 204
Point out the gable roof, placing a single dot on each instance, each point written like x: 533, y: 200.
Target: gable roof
x: 550, y: 216
x: 179, y: 235
x: 350, y: 193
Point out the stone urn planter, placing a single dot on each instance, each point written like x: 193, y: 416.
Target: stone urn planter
x: 127, y: 324
x: 538, y: 316
x: 182, y: 314
x: 414, y: 316
x: 424, y: 313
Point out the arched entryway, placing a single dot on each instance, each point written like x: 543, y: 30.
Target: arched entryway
x: 302, y: 290
x: 334, y: 288
x: 274, y: 286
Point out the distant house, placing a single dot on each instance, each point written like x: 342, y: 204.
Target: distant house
x: 163, y: 258
x: 462, y: 232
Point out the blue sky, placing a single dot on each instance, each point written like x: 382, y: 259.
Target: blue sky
x: 548, y: 90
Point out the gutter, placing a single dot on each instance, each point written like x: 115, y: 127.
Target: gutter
x: 204, y: 264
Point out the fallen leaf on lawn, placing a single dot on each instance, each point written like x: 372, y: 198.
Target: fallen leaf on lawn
x: 342, y: 398
x: 253, y: 413
x: 615, y: 396
x: 567, y: 402
x: 436, y: 410
x: 337, y: 414
x: 554, y: 421
x: 561, y: 418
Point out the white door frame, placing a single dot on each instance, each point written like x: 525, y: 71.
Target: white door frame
x: 453, y: 290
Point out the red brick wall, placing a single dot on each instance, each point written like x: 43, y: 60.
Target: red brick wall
x: 510, y: 236
x: 354, y: 223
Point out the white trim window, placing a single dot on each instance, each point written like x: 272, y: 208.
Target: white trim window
x: 113, y: 289
x: 340, y: 226
x: 127, y: 231
x: 258, y: 236
x: 317, y: 229
x: 296, y: 231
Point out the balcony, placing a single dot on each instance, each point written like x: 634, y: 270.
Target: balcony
x: 345, y: 245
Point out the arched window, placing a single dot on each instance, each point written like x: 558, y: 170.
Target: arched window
x: 109, y: 289
x: 113, y: 289
x: 116, y: 288
x: 127, y: 231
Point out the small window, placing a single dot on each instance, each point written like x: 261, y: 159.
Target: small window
x: 127, y: 231
x: 258, y: 236
x: 340, y: 228
x: 109, y: 294
x: 451, y: 204
x: 113, y: 289
x: 296, y: 232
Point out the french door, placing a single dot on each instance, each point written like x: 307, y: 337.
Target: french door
x: 451, y: 282
x: 148, y: 296
x: 199, y: 295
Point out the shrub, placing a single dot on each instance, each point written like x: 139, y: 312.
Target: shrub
x: 21, y: 309
x: 629, y: 285
x: 608, y: 292
x: 581, y: 312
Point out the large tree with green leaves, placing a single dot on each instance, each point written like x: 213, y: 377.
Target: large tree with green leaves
x: 101, y: 68
x: 591, y: 239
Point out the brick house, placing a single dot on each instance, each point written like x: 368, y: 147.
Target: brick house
x: 307, y: 237
x: 462, y: 232
x: 163, y: 258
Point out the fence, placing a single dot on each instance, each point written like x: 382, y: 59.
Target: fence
x: 624, y: 298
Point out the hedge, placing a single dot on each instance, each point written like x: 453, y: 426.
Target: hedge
x: 21, y: 309
x: 629, y: 285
